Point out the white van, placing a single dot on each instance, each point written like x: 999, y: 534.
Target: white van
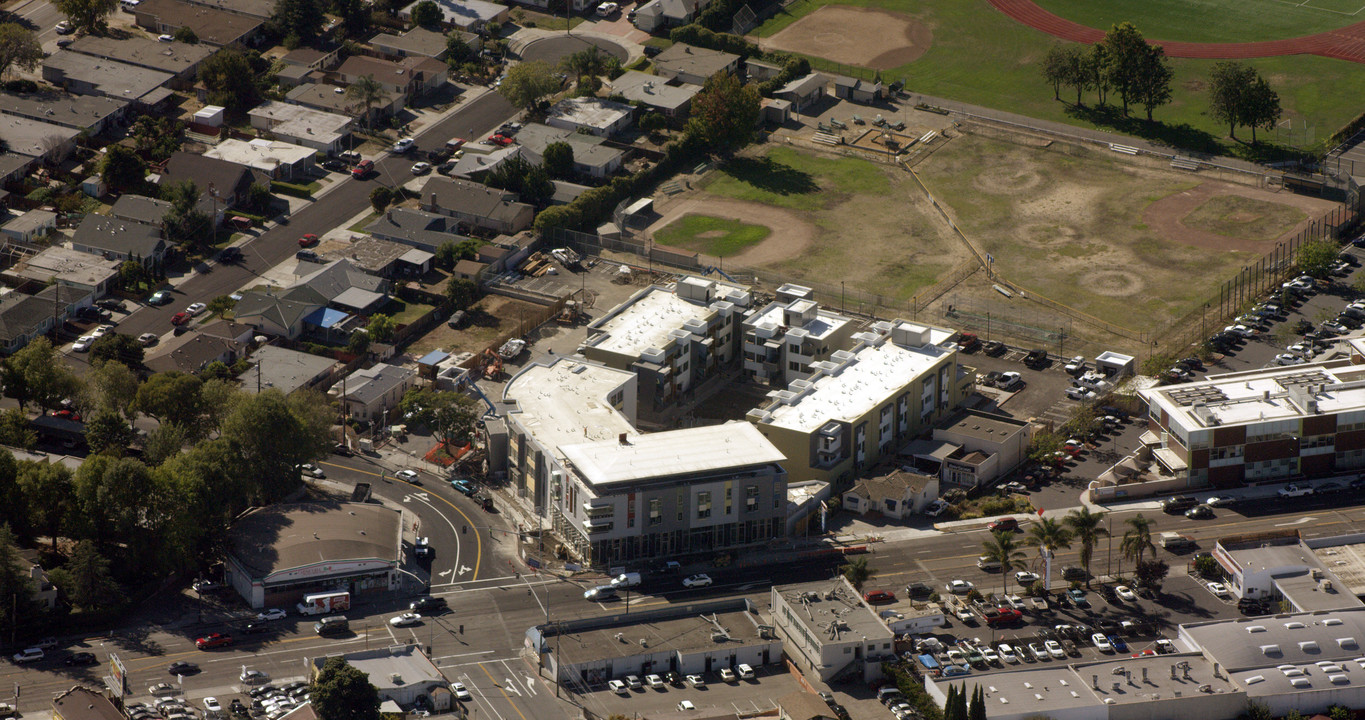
x: 626, y: 580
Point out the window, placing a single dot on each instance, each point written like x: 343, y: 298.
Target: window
x: 751, y: 498
x: 728, y: 493
x: 616, y: 397
x: 656, y: 516
x: 794, y: 366
x: 794, y: 347
x: 703, y: 505
x: 682, y: 504
x: 1226, y: 452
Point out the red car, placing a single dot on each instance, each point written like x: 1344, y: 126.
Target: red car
x: 1007, y: 524
x: 500, y: 140
x: 308, y: 240
x: 877, y: 597
x: 362, y: 169
x: 180, y: 318
x: 213, y: 640
x: 1005, y: 616
x: 71, y: 415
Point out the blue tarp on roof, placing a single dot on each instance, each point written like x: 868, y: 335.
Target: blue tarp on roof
x: 433, y: 357
x: 325, y: 318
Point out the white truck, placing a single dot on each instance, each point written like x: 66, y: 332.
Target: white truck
x: 1175, y: 542
x: 325, y: 603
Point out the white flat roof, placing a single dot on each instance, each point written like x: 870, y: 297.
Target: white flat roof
x: 644, y: 323
x: 675, y: 452
x: 849, y: 391
x: 824, y: 323
x: 566, y: 402
x: 1261, y: 396
x: 259, y: 153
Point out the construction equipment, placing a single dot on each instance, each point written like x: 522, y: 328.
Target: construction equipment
x: 566, y: 257
x: 569, y: 315
x: 490, y: 365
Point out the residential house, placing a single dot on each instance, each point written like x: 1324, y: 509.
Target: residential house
x: 334, y: 100
x: 120, y: 240
x: 286, y: 370
x: 470, y: 15
x: 409, y: 77
x: 801, y: 705
x: 803, y: 92
x: 417, y: 42
x: 275, y: 159
x: 387, y: 258
x: 897, y: 494
x: 476, y: 205
x: 591, y: 157
x: 40, y: 140
x: 92, y: 113
x: 760, y: 70
x: 856, y: 89
x: 30, y: 226
x: 82, y: 270
x: 260, y: 9
x: 657, y: 14
x: 469, y: 270
x: 422, y: 230
x: 695, y: 65
x: 971, y: 449
x: 44, y: 592
x: 602, y: 118
x: 180, y: 59
x: 192, y: 352
x: 479, y: 159
x: 371, y: 394
x: 342, y: 286
x: 301, y: 125
x: 141, y: 209
x: 212, y: 26
x: 273, y: 314
x: 862, y: 404
x: 313, y: 58
x: 146, y: 89
x: 669, y: 97
x: 25, y: 317
x: 13, y: 167
x: 223, y: 184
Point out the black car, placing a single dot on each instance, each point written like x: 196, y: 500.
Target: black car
x: 183, y: 668
x: 1199, y: 512
x: 230, y: 254
x: 255, y: 628
x: 446, y: 168
x: 80, y: 659
x: 1073, y: 572
x: 111, y: 304
x: 341, y: 449
x: 440, y: 155
x: 650, y: 50
x: 673, y: 679
x: 335, y: 166
x: 918, y: 590
x: 427, y: 603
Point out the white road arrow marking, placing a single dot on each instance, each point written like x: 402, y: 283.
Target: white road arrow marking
x: 530, y: 684
x: 509, y: 685
x: 464, y: 569
x: 1300, y: 521
x: 444, y: 573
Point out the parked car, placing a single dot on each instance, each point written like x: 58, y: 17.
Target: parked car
x: 878, y: 597
x: 993, y: 347
x: 1004, y: 524
x: 699, y: 580
x: 959, y: 587
x: 180, y: 318
x: 1101, y: 643
x: 147, y: 339
x: 29, y: 655
x: 308, y: 240
x: 160, y: 297
x: 421, y: 168
x: 403, y: 145
x: 362, y: 169
x: 1293, y: 491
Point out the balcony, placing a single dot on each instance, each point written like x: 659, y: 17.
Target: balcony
x: 598, y: 526
x: 598, y: 511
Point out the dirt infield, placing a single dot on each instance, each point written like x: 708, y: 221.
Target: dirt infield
x: 790, y: 237
x: 1346, y: 43
x: 1167, y: 215
x: 873, y: 38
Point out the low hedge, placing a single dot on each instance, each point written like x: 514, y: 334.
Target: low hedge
x: 285, y: 188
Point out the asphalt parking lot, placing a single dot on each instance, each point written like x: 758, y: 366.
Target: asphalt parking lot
x: 747, y: 696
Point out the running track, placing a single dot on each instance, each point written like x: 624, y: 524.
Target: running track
x: 1346, y: 43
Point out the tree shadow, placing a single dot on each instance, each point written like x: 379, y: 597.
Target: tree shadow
x: 1183, y: 136
x: 774, y: 177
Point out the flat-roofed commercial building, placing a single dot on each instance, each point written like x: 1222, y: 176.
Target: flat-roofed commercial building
x: 864, y: 403
x: 783, y: 339
x: 1260, y: 425
x: 673, y: 338
x: 825, y: 627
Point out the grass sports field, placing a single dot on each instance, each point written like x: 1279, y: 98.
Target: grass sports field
x: 978, y: 55
x: 1213, y: 20
x: 720, y: 237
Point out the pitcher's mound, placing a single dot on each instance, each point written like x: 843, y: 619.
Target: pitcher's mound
x: 872, y: 38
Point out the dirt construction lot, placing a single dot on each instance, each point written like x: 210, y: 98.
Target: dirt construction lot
x: 878, y: 39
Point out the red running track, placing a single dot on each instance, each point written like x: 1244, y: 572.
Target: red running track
x: 1346, y: 43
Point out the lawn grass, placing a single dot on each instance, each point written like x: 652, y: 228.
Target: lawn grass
x: 1240, y: 217
x: 360, y: 226
x: 711, y: 235
x: 544, y: 21
x: 798, y: 181
x: 980, y: 56
x: 1204, y: 20
x: 405, y: 312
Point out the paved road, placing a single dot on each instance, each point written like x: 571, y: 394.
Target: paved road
x: 278, y: 244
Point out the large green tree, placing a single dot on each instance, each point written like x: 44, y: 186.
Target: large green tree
x: 88, y: 16
x: 558, y: 160
x: 450, y: 415
x: 107, y: 431
x: 857, y: 571
x: 1316, y: 258
x: 355, y: 17
x: 272, y: 435
x: 231, y: 74
x: 461, y: 292
x: 111, y: 384
x: 1152, y: 87
x: 15, y: 587
x: 1137, y: 539
x: 156, y: 138
x: 1238, y: 95
x: 381, y: 327
x: 85, y: 578
x: 526, y: 83
x: 164, y: 442
x: 48, y: 497
x: 122, y: 168
x: 299, y: 21
x: 1049, y: 536
x: 16, y: 431
x: 114, y: 501
x: 341, y: 692
x: 1125, y: 53
x: 173, y: 397
x: 588, y: 62
x: 37, y: 375
x: 427, y: 14
x: 366, y: 92
x: 19, y: 47
x: 530, y: 182
x: 725, y: 112
x: 117, y: 347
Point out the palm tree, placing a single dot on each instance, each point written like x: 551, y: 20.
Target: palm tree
x: 1086, y: 528
x: 1002, y: 549
x: 857, y: 572
x: 1137, y: 541
x: 588, y: 62
x: 368, y: 92
x: 1049, y: 536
